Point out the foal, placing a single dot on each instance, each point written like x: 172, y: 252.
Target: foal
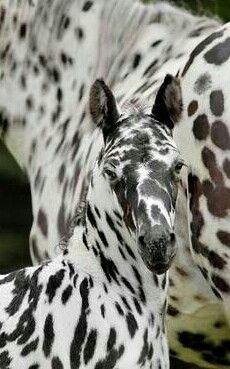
x: 102, y: 303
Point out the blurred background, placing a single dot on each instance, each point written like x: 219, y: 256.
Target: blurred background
x: 15, y: 202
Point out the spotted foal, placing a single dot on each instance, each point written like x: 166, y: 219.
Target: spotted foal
x: 102, y: 303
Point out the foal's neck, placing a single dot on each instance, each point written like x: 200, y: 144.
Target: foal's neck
x: 106, y: 248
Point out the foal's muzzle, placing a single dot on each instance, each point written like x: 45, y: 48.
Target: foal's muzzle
x: 157, y: 248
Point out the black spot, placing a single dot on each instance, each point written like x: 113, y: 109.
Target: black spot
x: 32, y: 346
x: 137, y: 305
x: 5, y: 360
x: 111, y: 359
x: 195, y: 341
x: 224, y: 237
x: 90, y: 346
x: 136, y: 61
x: 103, y: 238
x: 56, y: 363
x: 59, y: 94
x: 144, y: 350
x: 132, y: 324
x: 127, y: 284
x: 119, y: 309
x: 219, y: 53
x: 109, y: 268
x: 81, y: 328
x: 21, y: 286
x: 79, y: 33
x: 61, y: 173
x: 216, y: 260
x: 91, y: 217
x: 48, y: 335
x: 102, y: 308
x: 81, y: 92
x: 54, y: 283
x: 172, y: 311
x: 112, y: 339
x: 22, y: 31
x: 220, y: 283
x: 156, y: 43
x: 87, y: 6
x: 66, y: 294
x: 151, y: 69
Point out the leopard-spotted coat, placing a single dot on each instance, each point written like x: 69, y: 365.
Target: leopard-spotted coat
x: 49, y: 57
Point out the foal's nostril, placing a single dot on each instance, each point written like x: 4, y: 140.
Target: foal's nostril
x: 141, y: 240
x: 172, y: 237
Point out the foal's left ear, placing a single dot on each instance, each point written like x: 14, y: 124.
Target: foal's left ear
x: 168, y: 103
x: 103, y: 107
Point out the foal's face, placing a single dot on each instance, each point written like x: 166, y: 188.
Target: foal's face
x: 141, y: 164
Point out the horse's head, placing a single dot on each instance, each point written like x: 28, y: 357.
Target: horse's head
x: 139, y: 168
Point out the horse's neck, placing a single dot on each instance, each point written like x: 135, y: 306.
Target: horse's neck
x: 46, y: 76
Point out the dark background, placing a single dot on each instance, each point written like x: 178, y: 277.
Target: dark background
x: 15, y: 202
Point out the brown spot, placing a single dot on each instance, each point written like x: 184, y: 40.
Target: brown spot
x: 201, y: 127
x: 192, y: 108
x: 217, y: 102
x: 220, y: 283
x: 182, y: 272
x: 220, y: 135
x: 218, y: 199
x: 226, y: 167
x: 200, y: 298
x: 197, y: 223
x: 224, y: 237
x: 209, y: 160
x: 42, y: 222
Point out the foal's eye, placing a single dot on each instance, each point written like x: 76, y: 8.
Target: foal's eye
x: 112, y: 176
x: 178, y: 167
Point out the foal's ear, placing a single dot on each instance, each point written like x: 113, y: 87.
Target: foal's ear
x: 103, y: 107
x: 168, y: 103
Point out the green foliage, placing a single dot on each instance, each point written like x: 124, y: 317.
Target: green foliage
x: 219, y: 8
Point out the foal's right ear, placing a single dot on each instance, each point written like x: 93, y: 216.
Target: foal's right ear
x: 168, y: 103
x: 103, y: 107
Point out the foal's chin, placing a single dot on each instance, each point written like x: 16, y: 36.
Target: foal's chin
x: 159, y: 267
